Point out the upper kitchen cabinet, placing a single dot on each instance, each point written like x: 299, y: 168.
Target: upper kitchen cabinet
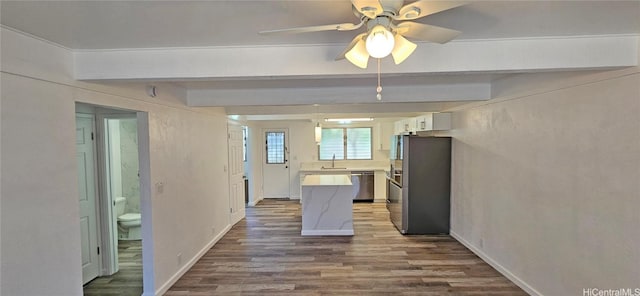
x: 405, y: 126
x: 433, y: 122
x: 423, y: 123
x: 385, y: 131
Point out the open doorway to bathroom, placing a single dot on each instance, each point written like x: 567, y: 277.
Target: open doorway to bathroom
x: 118, y: 203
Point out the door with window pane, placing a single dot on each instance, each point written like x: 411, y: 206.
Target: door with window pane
x: 275, y: 164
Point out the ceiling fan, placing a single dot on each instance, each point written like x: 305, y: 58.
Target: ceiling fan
x: 388, y: 22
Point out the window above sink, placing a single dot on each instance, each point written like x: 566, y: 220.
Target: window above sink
x: 349, y: 143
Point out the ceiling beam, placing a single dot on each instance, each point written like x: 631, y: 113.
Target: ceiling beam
x: 347, y: 110
x: 338, y: 95
x: 465, y: 56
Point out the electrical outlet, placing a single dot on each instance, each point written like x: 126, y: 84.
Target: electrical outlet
x: 179, y: 259
x: 481, y: 243
x: 213, y: 230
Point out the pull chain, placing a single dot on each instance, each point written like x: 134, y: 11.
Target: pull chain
x: 379, y: 88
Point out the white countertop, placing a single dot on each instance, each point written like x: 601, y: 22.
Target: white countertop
x: 341, y: 170
x: 326, y: 180
x: 347, y: 166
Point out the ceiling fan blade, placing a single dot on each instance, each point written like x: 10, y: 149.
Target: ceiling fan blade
x: 370, y: 8
x: 426, y: 32
x: 403, y: 49
x: 423, y: 8
x: 339, y: 27
x: 351, y: 46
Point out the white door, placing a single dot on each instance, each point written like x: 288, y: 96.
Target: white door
x: 236, y: 173
x: 275, y: 164
x: 85, y: 156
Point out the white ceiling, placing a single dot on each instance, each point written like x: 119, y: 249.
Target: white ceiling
x: 216, y: 25
x: 153, y: 24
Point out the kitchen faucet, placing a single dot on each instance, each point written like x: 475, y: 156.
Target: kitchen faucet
x: 333, y: 161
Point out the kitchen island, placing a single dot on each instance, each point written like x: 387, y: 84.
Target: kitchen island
x: 379, y: 169
x: 327, y: 205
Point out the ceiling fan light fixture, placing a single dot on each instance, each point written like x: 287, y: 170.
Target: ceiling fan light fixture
x: 380, y: 42
x: 358, y: 55
x: 403, y: 49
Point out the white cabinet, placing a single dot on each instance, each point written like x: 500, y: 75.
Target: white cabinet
x: 433, y: 122
x: 426, y: 122
x: 385, y: 131
x: 441, y: 121
x: 398, y: 127
x: 405, y: 126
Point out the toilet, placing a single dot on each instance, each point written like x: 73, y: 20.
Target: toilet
x: 128, y: 223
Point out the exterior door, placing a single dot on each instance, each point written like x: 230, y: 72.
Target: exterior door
x: 85, y: 156
x: 236, y: 173
x: 275, y: 164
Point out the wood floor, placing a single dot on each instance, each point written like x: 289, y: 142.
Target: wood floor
x: 128, y: 280
x: 264, y: 254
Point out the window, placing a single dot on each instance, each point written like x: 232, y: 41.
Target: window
x: 346, y: 143
x: 275, y: 147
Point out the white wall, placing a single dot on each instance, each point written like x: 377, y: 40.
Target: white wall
x: 302, y: 148
x: 546, y: 180
x: 40, y: 245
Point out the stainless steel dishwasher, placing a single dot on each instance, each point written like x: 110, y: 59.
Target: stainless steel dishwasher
x: 363, y: 184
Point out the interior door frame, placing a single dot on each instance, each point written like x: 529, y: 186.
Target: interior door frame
x: 144, y: 161
x: 286, y: 156
x: 109, y: 223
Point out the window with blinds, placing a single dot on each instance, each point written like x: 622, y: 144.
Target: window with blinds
x: 275, y: 147
x: 346, y: 143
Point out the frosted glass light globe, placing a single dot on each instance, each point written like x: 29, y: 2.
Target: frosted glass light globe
x: 380, y: 42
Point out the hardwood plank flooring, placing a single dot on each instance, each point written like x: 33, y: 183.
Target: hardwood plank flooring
x: 128, y: 280
x: 264, y: 254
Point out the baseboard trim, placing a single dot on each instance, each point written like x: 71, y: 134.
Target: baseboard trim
x: 255, y: 202
x: 237, y: 218
x: 501, y: 269
x: 165, y: 287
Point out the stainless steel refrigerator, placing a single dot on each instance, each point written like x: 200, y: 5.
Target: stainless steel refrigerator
x: 419, y: 184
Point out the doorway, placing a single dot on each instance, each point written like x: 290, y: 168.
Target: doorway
x: 119, y: 202
x: 275, y: 163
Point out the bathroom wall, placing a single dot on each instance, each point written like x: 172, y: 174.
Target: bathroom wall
x: 129, y: 164
x: 115, y: 172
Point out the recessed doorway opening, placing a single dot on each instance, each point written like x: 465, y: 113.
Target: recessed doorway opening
x: 112, y: 168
